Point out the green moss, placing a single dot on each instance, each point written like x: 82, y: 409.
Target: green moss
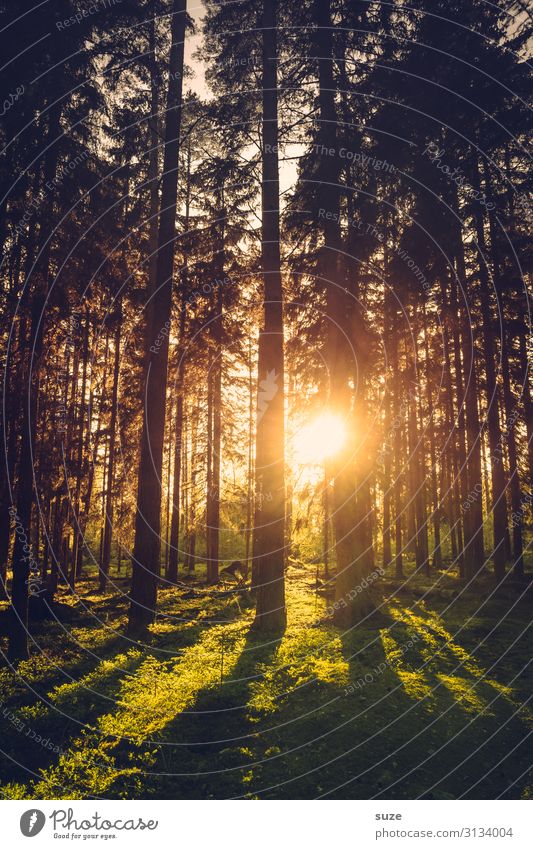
x: 227, y: 713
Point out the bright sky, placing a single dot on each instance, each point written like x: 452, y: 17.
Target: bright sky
x: 197, y: 84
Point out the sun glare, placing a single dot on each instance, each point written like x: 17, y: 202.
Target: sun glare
x: 320, y: 439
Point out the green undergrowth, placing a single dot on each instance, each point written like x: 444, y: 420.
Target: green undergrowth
x: 427, y: 697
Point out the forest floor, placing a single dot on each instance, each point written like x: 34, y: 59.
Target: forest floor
x: 427, y: 698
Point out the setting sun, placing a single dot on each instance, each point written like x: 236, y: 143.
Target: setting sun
x: 320, y: 439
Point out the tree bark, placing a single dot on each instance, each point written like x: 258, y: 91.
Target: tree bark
x: 269, y: 542
x: 498, y: 501
x: 173, y: 557
x: 108, y: 527
x: 78, y: 525
x: 39, y: 281
x: 146, y: 553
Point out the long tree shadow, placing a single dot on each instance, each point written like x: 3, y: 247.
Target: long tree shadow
x: 482, y: 746
x: 267, y: 729
x: 430, y: 721
x: 128, y: 699
x: 207, y: 748
x: 36, y: 735
x: 348, y: 728
x: 224, y: 712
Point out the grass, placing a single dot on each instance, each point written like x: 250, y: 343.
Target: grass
x: 427, y: 698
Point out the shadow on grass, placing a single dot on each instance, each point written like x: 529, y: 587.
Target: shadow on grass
x: 392, y: 708
x: 214, y: 737
x: 430, y: 722
x: 102, y: 697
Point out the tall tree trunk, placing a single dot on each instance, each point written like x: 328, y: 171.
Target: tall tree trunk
x: 422, y: 531
x: 419, y: 463
x: 168, y: 498
x: 153, y: 180
x: 327, y: 519
x: 173, y: 557
x: 349, y: 536
x: 472, y: 512
x: 108, y: 527
x: 249, y: 487
x: 39, y: 283
x: 398, y: 454
x: 498, y: 502
x: 209, y: 460
x: 387, y: 447
x: 146, y: 553
x: 92, y: 452
x: 213, y: 529
x: 509, y: 402
x: 525, y: 377
x: 15, y: 371
x: 55, y: 546
x: 191, y: 533
x: 78, y: 524
x: 457, y: 422
x: 270, y: 531
x: 437, y: 554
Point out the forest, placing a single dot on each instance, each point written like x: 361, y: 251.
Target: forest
x: 266, y: 504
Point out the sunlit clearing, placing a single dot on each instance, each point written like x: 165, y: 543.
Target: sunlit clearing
x: 319, y: 440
